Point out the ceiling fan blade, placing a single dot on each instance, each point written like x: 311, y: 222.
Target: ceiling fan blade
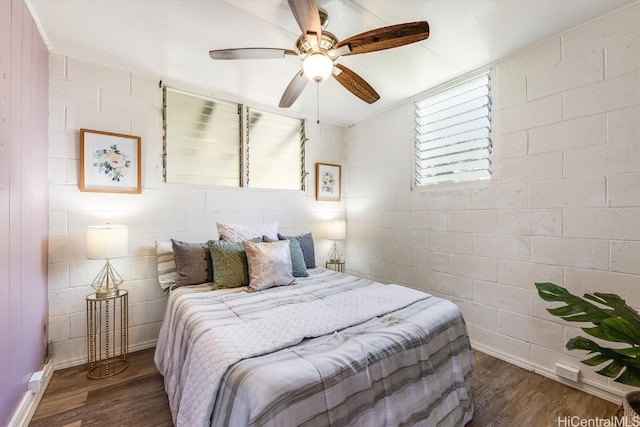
x: 386, y: 38
x: 293, y: 91
x: 355, y: 84
x: 307, y: 16
x: 250, y: 53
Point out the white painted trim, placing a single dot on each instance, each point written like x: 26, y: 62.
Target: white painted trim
x: 38, y: 24
x: 589, y: 387
x: 29, y: 403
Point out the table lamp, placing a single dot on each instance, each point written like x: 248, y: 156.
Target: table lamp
x: 336, y: 230
x: 107, y: 242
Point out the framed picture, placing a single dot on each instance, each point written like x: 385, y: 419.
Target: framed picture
x: 109, y: 162
x: 327, y: 182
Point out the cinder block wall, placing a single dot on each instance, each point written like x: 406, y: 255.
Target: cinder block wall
x: 563, y: 205
x: 84, y: 94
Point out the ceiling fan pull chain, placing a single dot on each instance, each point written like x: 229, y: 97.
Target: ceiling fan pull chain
x: 317, y: 102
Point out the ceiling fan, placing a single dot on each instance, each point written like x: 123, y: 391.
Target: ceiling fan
x: 320, y: 49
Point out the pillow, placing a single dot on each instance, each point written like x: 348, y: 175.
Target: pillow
x: 238, y: 233
x: 166, y: 265
x: 269, y: 264
x: 193, y: 262
x: 306, y: 243
x: 230, y: 269
x: 298, y: 267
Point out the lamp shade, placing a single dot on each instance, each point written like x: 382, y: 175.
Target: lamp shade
x: 107, y: 241
x: 337, y: 230
x: 317, y: 67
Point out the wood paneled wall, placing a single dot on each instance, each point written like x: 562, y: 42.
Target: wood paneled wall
x: 23, y: 202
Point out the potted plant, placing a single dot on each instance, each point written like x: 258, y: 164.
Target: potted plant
x: 614, y: 321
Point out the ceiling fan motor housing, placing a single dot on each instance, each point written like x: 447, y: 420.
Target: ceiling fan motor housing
x: 327, y: 42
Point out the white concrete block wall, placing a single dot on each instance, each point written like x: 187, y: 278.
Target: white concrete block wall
x: 563, y: 205
x: 95, y: 96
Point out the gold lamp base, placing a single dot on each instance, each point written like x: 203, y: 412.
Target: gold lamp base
x: 107, y: 281
x: 335, y: 254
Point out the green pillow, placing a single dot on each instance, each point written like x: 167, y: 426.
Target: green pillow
x: 230, y: 268
x: 298, y: 265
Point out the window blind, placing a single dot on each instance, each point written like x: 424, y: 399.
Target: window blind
x: 275, y: 150
x: 202, y: 140
x: 453, y: 133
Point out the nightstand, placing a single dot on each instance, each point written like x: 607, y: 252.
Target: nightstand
x: 337, y: 265
x: 107, y: 334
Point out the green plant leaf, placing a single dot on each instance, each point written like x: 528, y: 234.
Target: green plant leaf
x: 620, y: 307
x: 621, y: 330
x: 595, y: 360
x: 618, y: 362
x: 614, y: 322
x: 602, y: 355
x: 631, y: 376
x: 576, y: 309
x: 633, y: 362
x: 629, y: 352
x: 612, y: 370
x: 614, y: 330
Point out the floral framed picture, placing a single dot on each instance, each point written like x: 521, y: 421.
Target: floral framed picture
x: 327, y: 182
x: 109, y: 162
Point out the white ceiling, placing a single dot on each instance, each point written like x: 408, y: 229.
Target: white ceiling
x: 171, y: 39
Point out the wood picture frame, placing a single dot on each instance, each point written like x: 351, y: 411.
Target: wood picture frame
x: 328, y: 182
x: 110, y: 162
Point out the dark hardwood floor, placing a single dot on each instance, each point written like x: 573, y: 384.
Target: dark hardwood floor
x: 504, y: 395
x: 135, y: 397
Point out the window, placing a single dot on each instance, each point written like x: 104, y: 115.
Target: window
x: 206, y: 143
x: 275, y: 151
x: 202, y: 140
x: 453, y: 133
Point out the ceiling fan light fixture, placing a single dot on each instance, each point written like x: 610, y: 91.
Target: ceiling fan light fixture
x: 318, y: 49
x: 317, y: 67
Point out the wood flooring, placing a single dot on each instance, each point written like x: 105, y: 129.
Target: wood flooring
x: 504, y: 395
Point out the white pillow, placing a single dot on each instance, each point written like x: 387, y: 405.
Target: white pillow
x: 269, y: 264
x: 238, y: 232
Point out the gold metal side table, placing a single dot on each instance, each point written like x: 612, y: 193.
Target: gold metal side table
x: 337, y: 265
x: 107, y: 334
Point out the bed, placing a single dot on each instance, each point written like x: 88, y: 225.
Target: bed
x: 327, y: 349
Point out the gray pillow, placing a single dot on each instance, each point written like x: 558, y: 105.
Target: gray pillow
x: 269, y: 264
x: 308, y: 250
x: 298, y: 266
x: 193, y: 263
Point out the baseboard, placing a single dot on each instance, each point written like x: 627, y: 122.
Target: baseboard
x: 29, y: 403
x: 590, y: 387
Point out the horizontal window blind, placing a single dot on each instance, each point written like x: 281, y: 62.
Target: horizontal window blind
x: 275, y: 150
x: 202, y: 140
x: 453, y: 134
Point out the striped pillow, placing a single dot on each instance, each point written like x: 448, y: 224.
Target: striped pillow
x: 166, y: 263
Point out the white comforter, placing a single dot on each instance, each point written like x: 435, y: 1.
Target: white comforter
x: 206, y: 332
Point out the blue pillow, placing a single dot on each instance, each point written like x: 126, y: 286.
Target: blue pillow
x: 308, y: 250
x: 298, y: 267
